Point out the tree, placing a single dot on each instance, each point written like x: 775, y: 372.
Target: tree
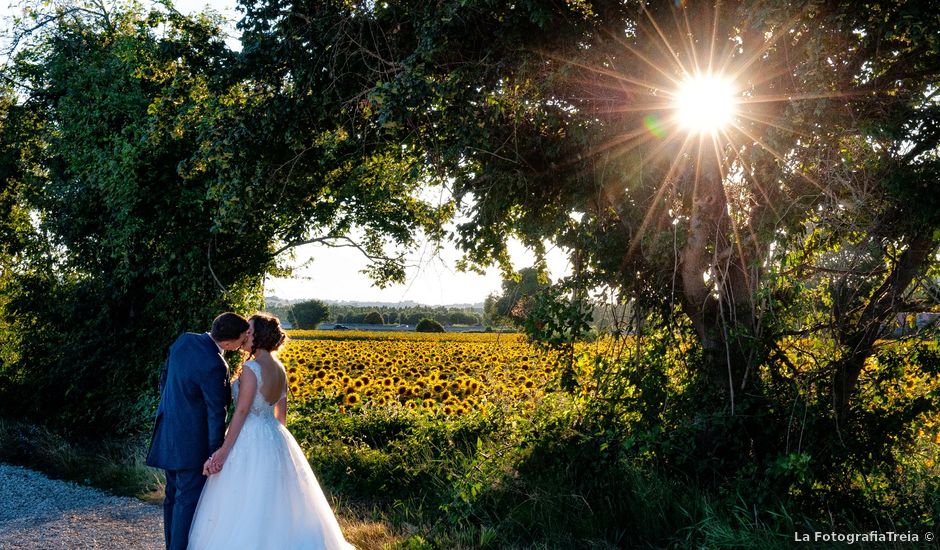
x: 428, y: 325
x: 122, y: 253
x: 531, y: 142
x: 559, y: 127
x: 308, y: 314
x: 510, y: 306
x: 165, y: 177
x: 463, y: 318
x: 374, y: 318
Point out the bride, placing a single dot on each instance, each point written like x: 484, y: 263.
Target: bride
x: 266, y: 495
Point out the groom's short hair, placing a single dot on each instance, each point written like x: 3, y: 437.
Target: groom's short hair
x: 228, y: 326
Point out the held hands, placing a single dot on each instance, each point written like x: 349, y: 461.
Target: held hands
x: 214, y: 463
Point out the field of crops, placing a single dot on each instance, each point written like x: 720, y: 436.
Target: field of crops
x: 448, y: 373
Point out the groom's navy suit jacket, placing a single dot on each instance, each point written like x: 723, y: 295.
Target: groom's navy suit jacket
x: 194, y: 399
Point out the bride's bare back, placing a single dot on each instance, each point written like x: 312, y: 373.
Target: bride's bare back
x: 273, y: 378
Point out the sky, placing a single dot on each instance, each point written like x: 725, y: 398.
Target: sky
x: 334, y: 273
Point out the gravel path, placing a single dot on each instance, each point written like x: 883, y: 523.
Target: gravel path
x: 41, y: 513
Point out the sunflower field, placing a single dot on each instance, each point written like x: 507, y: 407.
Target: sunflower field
x: 447, y: 374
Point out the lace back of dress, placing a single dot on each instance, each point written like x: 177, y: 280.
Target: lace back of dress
x: 259, y: 406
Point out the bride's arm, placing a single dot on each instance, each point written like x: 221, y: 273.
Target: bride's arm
x: 280, y: 410
x: 247, y: 384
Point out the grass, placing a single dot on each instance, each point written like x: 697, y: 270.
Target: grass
x: 653, y: 512
x: 549, y: 476
x: 366, y: 527
x: 116, y: 467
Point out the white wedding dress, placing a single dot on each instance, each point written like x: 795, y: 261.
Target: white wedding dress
x: 266, y: 495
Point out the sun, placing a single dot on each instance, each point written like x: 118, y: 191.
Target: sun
x: 705, y: 104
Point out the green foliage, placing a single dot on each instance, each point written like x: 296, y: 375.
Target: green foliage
x: 123, y: 253
x: 463, y: 318
x: 566, y: 476
x: 153, y: 178
x: 428, y: 325
x: 811, y: 218
x: 512, y: 305
x: 373, y: 318
x: 415, y: 542
x: 555, y: 321
x: 115, y: 465
x: 308, y: 314
x: 543, y: 135
x: 407, y: 315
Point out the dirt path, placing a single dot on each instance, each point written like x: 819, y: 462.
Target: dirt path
x: 38, y: 512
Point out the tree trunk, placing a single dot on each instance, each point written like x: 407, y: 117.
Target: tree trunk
x: 721, y: 307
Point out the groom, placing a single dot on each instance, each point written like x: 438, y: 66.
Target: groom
x: 190, y: 423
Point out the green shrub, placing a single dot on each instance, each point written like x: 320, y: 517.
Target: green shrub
x: 428, y: 325
x: 307, y: 314
x: 115, y: 465
x: 373, y: 318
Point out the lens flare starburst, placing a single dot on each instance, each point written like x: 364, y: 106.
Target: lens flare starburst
x: 705, y: 104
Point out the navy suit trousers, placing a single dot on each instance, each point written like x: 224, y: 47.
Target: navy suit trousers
x: 183, y: 488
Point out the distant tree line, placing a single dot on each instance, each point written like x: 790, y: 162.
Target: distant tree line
x: 309, y: 313
x: 406, y: 315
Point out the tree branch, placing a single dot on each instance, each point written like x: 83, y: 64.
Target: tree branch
x: 329, y: 240
x: 212, y: 271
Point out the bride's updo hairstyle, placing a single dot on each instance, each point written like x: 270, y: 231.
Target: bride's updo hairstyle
x: 268, y: 334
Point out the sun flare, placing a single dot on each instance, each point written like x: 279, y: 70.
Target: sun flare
x: 705, y: 104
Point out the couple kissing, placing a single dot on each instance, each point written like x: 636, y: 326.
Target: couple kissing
x: 247, y: 486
